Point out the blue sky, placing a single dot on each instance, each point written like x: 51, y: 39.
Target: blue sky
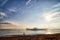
x: 34, y: 13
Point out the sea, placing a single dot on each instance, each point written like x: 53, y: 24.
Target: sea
x: 8, y: 32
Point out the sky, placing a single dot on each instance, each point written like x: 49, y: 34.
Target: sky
x: 31, y: 13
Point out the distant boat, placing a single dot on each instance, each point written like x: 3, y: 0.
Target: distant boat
x: 35, y: 29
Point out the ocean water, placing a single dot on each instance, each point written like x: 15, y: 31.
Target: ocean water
x: 5, y: 32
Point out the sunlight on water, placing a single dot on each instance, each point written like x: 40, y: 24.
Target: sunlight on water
x: 4, y: 32
x: 49, y: 32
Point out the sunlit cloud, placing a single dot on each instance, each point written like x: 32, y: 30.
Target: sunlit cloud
x: 11, y: 25
x: 14, y: 23
x: 13, y: 9
x: 18, y: 25
x: 56, y: 5
x: 52, y: 14
x: 2, y: 15
x: 27, y: 3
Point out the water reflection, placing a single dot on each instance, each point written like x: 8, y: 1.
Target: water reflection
x: 27, y: 32
x: 49, y: 32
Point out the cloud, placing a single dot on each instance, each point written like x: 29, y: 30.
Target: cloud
x: 2, y: 15
x: 52, y: 14
x: 17, y: 24
x: 12, y: 22
x: 4, y: 2
x: 27, y: 3
x: 56, y: 5
x: 11, y: 25
x: 13, y: 9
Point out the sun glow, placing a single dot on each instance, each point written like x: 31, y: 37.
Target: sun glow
x: 49, y: 31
